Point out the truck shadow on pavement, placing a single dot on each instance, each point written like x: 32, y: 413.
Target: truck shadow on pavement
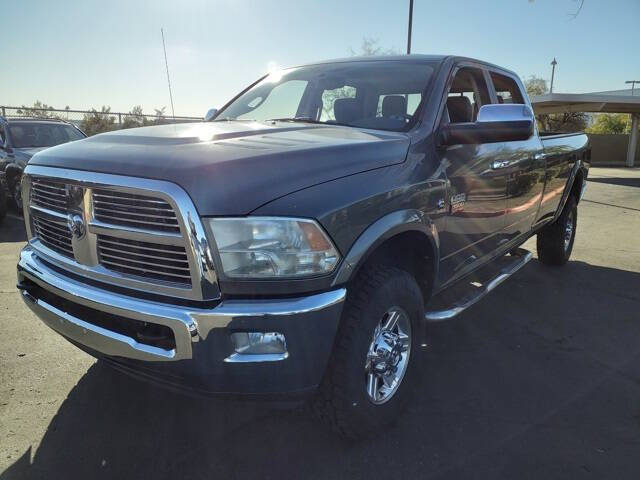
x: 539, y: 379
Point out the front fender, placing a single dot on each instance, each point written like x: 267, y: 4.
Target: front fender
x: 381, y: 230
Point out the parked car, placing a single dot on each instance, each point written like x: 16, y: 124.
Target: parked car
x: 299, y: 243
x: 21, y: 138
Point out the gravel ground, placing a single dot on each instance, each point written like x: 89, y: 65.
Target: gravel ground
x: 539, y: 380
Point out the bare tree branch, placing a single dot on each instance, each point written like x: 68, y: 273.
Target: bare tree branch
x: 577, y: 12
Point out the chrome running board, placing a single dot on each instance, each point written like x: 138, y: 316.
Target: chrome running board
x: 520, y: 258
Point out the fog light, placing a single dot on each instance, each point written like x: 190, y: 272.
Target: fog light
x: 258, y: 347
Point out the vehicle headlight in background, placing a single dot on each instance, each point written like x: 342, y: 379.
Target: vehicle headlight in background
x: 272, y: 247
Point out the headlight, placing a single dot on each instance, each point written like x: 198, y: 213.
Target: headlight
x: 272, y: 247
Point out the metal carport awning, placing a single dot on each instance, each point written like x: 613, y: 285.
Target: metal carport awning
x: 601, y: 102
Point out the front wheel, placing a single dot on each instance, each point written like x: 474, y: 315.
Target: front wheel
x: 372, y: 371
x: 555, y: 242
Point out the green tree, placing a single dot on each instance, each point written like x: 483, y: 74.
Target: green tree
x: 160, y: 116
x: 135, y: 118
x: 96, y: 122
x: 617, y: 123
x: 38, y: 110
x: 535, y: 86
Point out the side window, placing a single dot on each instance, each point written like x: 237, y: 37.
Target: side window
x: 330, y: 96
x: 467, y: 94
x: 2, y: 137
x: 507, y: 89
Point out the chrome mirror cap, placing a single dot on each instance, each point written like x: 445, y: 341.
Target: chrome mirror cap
x: 210, y: 114
x: 505, y: 112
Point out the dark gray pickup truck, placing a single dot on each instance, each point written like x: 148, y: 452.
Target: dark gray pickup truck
x: 299, y: 242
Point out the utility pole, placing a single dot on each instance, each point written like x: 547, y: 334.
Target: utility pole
x: 410, y: 24
x: 166, y: 64
x: 553, y: 73
x: 633, y: 84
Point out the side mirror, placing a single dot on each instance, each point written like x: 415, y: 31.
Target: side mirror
x: 210, y: 114
x: 495, y: 123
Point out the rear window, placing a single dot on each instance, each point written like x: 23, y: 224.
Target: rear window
x: 507, y: 89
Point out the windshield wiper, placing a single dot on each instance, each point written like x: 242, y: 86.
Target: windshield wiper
x: 294, y: 119
x: 307, y: 120
x: 233, y: 119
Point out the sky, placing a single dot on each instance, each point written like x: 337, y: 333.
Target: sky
x: 89, y: 53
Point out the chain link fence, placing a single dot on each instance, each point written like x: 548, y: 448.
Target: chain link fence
x: 94, y: 121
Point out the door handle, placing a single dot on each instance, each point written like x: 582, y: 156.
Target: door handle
x: 498, y: 164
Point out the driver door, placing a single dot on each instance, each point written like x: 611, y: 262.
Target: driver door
x: 476, y: 191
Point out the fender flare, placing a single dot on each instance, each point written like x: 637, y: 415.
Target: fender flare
x: 381, y: 230
x: 578, y: 167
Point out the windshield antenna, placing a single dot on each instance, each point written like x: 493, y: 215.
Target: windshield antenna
x: 166, y: 64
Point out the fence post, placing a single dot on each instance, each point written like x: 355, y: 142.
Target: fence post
x: 120, y: 120
x: 3, y: 113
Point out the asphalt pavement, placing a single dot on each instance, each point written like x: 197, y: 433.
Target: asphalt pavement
x: 540, y: 380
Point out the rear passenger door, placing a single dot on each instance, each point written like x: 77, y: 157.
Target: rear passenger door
x: 476, y: 191
x: 522, y: 163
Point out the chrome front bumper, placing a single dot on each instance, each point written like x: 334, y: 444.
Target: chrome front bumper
x: 201, y: 335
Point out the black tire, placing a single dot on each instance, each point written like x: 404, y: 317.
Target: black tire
x: 554, y: 242
x: 16, y: 195
x: 342, y: 400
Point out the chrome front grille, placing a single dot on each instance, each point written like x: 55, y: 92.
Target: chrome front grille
x: 51, y: 195
x: 128, y: 232
x: 137, y: 211
x: 55, y: 235
x: 162, y: 262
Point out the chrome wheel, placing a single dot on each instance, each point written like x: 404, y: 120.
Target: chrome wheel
x: 568, y: 231
x: 388, y: 355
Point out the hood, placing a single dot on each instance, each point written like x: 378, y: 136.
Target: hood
x: 232, y: 168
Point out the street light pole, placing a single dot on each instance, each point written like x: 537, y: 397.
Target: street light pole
x: 633, y: 84
x: 410, y: 24
x: 553, y: 73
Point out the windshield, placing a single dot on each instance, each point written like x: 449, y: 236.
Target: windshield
x: 34, y: 135
x: 381, y: 94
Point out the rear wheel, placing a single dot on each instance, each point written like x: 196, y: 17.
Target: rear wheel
x: 372, y: 371
x: 555, y: 242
